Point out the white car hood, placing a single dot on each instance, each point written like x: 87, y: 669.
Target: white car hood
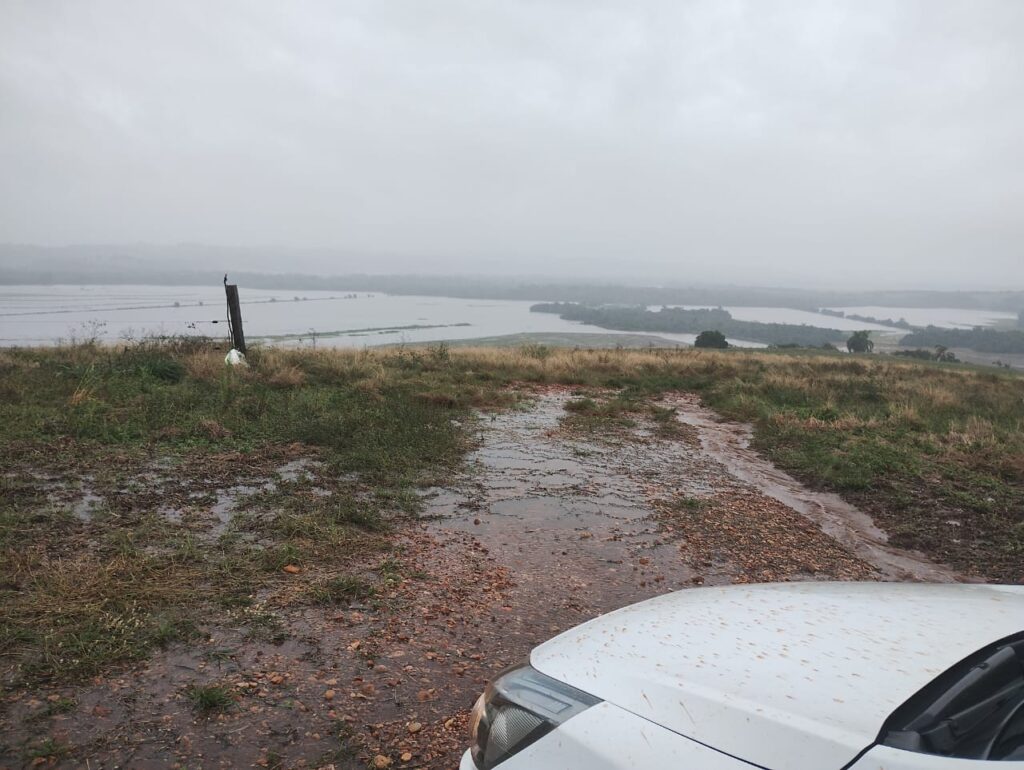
x: 796, y: 676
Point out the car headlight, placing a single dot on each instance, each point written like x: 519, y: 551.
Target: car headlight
x: 518, y: 708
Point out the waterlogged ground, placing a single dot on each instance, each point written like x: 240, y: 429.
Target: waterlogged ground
x: 557, y: 516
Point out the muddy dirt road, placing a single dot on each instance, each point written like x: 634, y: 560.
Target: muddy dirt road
x: 585, y: 524
x: 545, y: 528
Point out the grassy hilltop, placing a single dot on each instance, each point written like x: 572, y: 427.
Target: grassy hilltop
x: 934, y: 452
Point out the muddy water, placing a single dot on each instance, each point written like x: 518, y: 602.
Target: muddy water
x: 568, y: 515
x: 729, y: 444
x: 562, y: 510
x: 207, y: 513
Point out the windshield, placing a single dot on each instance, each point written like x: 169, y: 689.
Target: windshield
x: 973, y: 711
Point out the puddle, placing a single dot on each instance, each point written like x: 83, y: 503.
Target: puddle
x: 217, y: 517
x: 300, y: 468
x: 570, y: 517
x: 77, y: 497
x: 86, y: 505
x: 223, y: 510
x: 80, y: 497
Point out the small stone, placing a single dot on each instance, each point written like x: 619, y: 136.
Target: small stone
x: 381, y: 762
x: 329, y: 695
x: 407, y: 756
x: 414, y: 727
x: 292, y: 569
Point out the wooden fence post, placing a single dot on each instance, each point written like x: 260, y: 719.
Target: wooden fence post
x: 235, y: 317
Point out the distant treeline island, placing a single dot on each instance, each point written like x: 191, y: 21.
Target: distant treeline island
x: 682, y: 321
x: 695, y: 321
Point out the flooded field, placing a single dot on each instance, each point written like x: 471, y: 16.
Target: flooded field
x: 946, y: 318
x: 44, y: 315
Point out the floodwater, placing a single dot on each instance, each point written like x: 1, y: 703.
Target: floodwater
x: 45, y: 315
x: 944, y: 317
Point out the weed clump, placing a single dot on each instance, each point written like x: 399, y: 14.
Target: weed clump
x: 210, y: 698
x: 341, y: 589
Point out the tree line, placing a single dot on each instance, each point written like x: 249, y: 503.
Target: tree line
x: 980, y: 338
x: 682, y: 321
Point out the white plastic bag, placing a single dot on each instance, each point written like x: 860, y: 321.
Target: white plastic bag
x: 235, y: 358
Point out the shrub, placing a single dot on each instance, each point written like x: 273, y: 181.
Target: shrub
x: 860, y: 342
x: 711, y: 339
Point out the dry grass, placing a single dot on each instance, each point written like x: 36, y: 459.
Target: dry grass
x: 205, y: 365
x: 559, y: 365
x: 819, y: 392
x: 286, y: 377
x: 973, y: 433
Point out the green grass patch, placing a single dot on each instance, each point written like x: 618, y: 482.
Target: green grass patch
x: 210, y: 698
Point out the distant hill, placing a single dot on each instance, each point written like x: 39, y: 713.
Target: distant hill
x: 198, y: 265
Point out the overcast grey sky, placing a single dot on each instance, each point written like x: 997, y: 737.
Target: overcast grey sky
x: 759, y: 142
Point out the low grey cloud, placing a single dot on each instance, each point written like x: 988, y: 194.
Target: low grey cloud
x: 867, y: 142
